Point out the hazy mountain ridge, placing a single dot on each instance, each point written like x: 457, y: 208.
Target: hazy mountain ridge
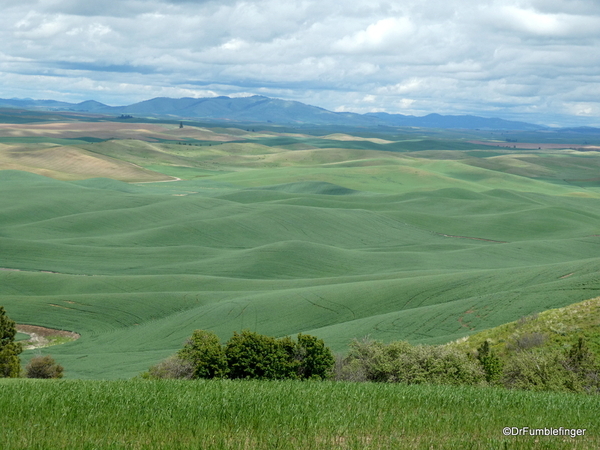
x: 264, y: 109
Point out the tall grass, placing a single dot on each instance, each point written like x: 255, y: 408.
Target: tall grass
x: 283, y: 415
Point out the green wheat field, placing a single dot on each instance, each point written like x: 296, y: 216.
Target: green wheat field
x: 291, y: 415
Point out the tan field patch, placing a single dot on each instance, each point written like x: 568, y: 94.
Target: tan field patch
x: 71, y: 163
x: 111, y: 130
x: 347, y: 137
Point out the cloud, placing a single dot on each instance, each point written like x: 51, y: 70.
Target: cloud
x: 533, y: 58
x: 380, y: 36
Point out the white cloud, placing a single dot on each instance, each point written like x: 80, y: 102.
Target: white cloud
x: 500, y: 57
x: 377, y: 37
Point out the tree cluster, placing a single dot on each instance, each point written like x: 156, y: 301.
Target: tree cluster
x: 248, y: 355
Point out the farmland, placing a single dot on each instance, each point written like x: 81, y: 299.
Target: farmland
x: 135, y: 234
x: 169, y: 414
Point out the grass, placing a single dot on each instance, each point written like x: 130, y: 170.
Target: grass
x: 21, y: 337
x: 558, y: 328
x: 283, y: 415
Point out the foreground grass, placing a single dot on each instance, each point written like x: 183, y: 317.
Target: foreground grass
x: 283, y: 415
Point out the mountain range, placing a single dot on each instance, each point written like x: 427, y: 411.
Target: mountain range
x: 259, y: 109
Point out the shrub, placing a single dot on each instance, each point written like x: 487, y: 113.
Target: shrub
x: 490, y: 362
x: 205, y: 354
x: 371, y: 360
x: 173, y: 367
x: 43, y: 367
x: 436, y: 365
x: 528, y: 341
x: 401, y: 362
x: 582, y: 365
x: 10, y: 364
x: 536, y: 371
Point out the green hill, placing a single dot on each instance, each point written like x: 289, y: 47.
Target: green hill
x: 339, y: 239
x: 554, y: 328
x: 136, y: 268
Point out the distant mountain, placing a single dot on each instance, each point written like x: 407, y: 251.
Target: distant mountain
x: 439, y: 121
x: 264, y: 109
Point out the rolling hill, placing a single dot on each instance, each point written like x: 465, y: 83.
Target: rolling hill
x: 331, y: 235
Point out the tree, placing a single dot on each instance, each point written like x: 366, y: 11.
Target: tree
x: 253, y: 355
x: 491, y: 363
x: 206, y: 354
x: 43, y: 367
x: 10, y: 364
x: 315, y: 360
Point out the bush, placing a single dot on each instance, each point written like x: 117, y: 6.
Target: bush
x: 573, y: 370
x: 10, y: 364
x: 205, y: 354
x: 370, y: 360
x: 528, y: 341
x: 400, y: 362
x: 436, y: 365
x: 490, y: 362
x: 43, y: 367
x: 585, y: 372
x: 171, y: 368
x: 536, y: 371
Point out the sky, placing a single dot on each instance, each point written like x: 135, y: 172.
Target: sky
x: 531, y: 60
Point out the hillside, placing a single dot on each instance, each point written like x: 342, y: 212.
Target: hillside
x: 556, y: 328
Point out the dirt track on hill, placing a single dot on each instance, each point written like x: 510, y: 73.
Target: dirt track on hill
x: 39, y: 335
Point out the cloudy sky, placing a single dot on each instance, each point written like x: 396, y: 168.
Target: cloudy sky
x: 533, y: 60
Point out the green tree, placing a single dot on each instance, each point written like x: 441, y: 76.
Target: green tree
x: 253, y: 355
x: 206, y: 354
x: 315, y: 360
x: 10, y: 364
x: 43, y: 367
x: 491, y: 363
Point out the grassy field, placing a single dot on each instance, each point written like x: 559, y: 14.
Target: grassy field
x: 558, y: 328
x: 388, y: 235
x: 284, y: 415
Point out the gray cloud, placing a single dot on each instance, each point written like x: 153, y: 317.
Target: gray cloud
x: 531, y: 59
